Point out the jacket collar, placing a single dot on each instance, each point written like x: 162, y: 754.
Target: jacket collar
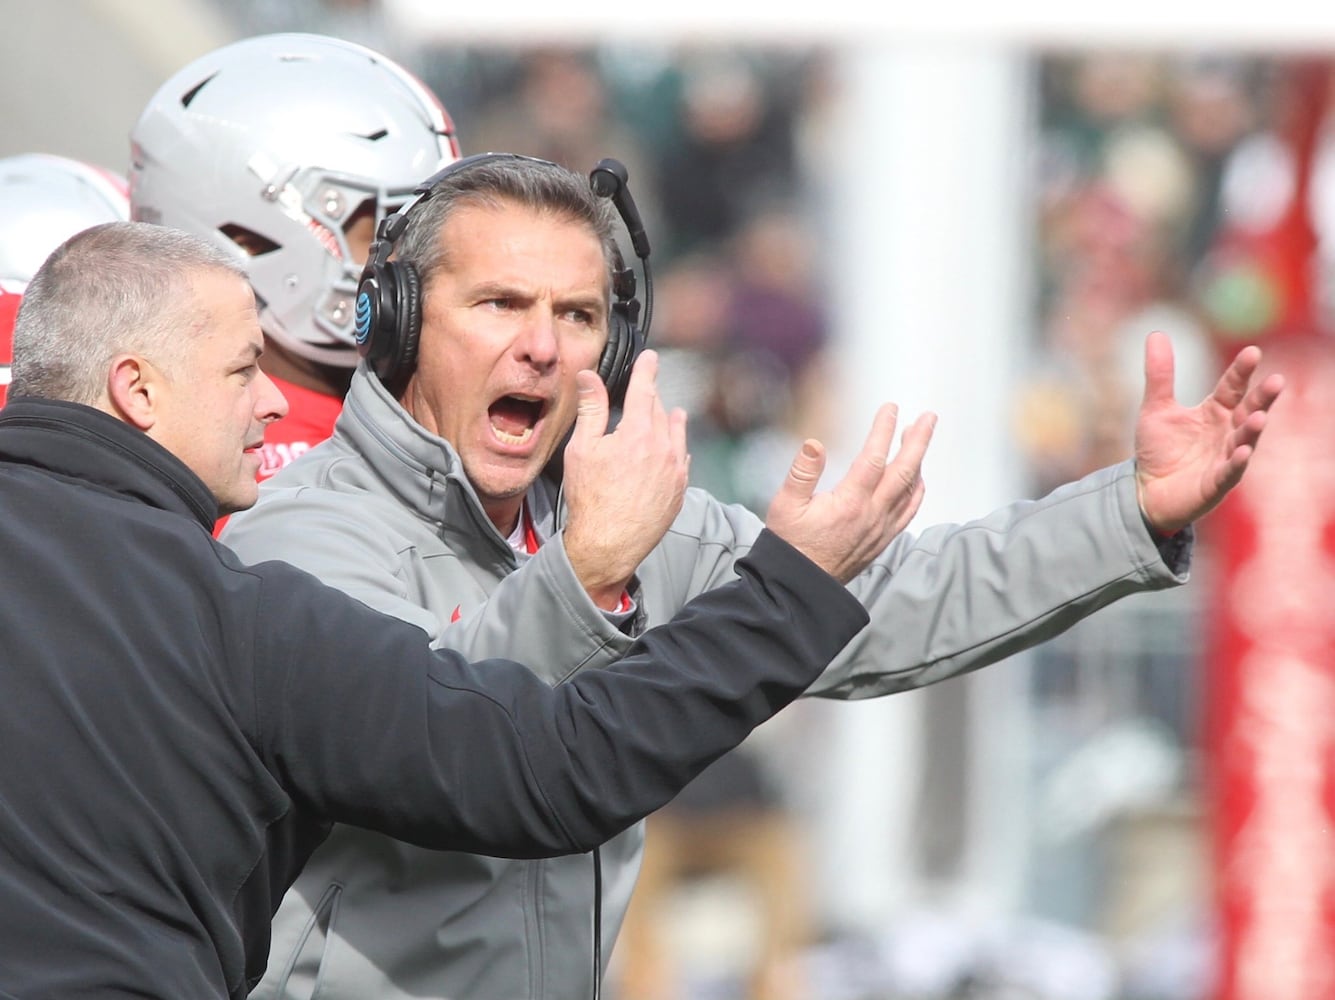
x: 422, y: 471
x: 81, y: 442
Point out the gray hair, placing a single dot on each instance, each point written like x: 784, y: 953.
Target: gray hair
x: 503, y: 177
x: 120, y: 287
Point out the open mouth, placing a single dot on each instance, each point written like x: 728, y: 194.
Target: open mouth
x: 513, y: 418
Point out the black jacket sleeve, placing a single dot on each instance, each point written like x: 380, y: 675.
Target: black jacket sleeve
x: 364, y: 724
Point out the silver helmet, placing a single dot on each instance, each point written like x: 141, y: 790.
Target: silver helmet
x: 273, y: 147
x: 44, y: 200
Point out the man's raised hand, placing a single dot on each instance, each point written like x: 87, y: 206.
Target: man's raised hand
x: 625, y: 488
x: 843, y: 530
x: 1187, y: 459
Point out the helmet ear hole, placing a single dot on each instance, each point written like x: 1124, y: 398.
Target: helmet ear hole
x: 248, y: 240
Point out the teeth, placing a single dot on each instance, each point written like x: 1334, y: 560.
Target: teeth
x: 505, y: 437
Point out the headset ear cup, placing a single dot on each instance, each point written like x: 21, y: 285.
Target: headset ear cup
x: 410, y: 319
x: 389, y: 309
x: 408, y: 332
x: 376, y: 316
x: 624, y: 343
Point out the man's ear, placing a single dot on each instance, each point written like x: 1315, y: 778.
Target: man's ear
x: 134, y: 390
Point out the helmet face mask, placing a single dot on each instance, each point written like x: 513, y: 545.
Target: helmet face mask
x: 322, y: 210
x: 279, y: 148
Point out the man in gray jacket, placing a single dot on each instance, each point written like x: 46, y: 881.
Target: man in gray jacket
x: 435, y: 501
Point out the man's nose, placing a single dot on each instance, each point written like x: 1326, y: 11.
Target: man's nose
x: 537, y: 342
x: 270, y: 403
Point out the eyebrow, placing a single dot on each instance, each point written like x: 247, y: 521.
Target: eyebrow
x: 596, y: 302
x: 248, y: 354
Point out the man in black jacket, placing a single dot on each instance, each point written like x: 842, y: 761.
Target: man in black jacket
x: 180, y: 730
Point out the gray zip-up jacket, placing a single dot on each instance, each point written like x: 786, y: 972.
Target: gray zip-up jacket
x: 383, y: 511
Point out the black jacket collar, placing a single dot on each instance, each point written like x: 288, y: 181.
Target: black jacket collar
x: 74, y: 440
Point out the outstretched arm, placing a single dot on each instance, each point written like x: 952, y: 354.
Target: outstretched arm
x: 1187, y: 459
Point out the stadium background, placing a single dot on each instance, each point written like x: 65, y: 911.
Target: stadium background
x: 980, y: 214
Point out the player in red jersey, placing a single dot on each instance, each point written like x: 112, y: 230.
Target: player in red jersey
x: 44, y: 200
x: 287, y: 150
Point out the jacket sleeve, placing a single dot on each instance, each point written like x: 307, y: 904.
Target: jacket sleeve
x: 365, y: 725
x: 961, y: 596
x: 570, y: 634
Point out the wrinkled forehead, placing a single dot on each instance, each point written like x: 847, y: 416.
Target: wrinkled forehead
x: 580, y: 232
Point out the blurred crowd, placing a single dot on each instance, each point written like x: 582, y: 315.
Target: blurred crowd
x: 1172, y: 193
x: 1136, y: 157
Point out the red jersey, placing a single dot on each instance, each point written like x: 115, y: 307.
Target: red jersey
x: 11, y: 294
x: 310, y: 419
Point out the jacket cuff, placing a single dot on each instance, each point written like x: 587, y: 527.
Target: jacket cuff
x: 782, y: 566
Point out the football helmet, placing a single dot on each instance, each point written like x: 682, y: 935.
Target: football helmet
x: 44, y: 200
x: 274, y: 147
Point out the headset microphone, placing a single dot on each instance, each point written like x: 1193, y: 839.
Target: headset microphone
x: 609, y: 180
x: 607, y: 176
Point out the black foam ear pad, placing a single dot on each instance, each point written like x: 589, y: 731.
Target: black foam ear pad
x: 394, y: 356
x: 624, y: 343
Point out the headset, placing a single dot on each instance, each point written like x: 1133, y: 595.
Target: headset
x: 388, y: 315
